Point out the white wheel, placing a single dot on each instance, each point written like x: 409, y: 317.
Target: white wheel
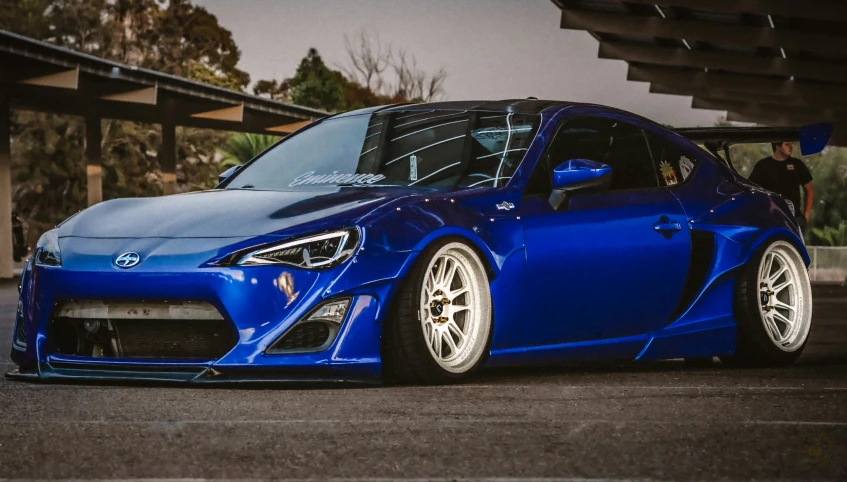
x: 785, y: 296
x: 441, y: 323
x: 773, y: 307
x: 455, y: 308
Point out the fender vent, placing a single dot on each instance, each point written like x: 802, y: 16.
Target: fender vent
x: 702, y: 251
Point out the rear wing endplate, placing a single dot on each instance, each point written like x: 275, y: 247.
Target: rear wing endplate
x: 812, y: 138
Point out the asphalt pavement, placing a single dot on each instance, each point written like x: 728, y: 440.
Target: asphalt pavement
x: 655, y: 421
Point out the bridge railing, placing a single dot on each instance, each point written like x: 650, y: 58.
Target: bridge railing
x: 829, y: 263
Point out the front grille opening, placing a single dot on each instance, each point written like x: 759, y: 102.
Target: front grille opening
x: 142, y: 331
x: 309, y: 336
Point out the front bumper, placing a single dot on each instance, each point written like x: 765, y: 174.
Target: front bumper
x: 261, y: 303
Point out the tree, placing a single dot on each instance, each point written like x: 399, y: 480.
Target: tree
x: 272, y: 89
x: 832, y: 236
x: 174, y: 37
x: 374, y: 74
x: 369, y: 63
x: 829, y: 172
x: 242, y: 147
x: 316, y: 85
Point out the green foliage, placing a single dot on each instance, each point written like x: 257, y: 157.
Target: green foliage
x: 316, y: 85
x: 174, y: 37
x: 242, y: 147
x: 275, y: 90
x: 829, y: 170
x: 831, y: 236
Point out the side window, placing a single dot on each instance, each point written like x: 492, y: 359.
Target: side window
x: 619, y: 144
x: 629, y: 157
x: 582, y: 138
x: 672, y: 164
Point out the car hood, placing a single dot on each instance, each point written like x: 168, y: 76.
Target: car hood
x: 227, y: 213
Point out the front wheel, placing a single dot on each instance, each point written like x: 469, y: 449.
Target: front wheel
x: 773, y: 307
x: 440, y: 326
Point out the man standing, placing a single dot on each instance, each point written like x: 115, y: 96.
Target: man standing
x: 784, y: 175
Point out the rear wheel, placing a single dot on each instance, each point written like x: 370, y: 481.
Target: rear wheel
x: 773, y: 307
x: 440, y: 325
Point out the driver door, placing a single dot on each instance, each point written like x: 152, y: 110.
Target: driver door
x: 607, y: 264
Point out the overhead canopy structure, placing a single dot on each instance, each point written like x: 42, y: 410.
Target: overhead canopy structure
x: 772, y: 62
x: 42, y: 77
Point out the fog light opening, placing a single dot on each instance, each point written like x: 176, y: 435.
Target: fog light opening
x: 315, y: 332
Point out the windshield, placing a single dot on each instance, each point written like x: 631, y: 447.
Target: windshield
x: 430, y: 148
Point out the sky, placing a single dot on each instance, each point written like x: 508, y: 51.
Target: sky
x: 490, y: 49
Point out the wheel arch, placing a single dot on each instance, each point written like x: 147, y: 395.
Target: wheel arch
x: 779, y: 233
x: 485, y: 253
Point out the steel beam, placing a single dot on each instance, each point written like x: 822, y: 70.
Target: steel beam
x: 167, y: 154
x: 6, y: 248
x: 726, y: 61
x: 832, y: 10
x: 812, y: 93
x: 719, y: 94
x: 766, y: 111
x: 93, y: 157
x: 717, y: 33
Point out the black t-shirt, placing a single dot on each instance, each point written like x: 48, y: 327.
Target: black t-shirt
x: 783, y: 177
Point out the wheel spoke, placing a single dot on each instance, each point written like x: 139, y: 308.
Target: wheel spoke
x: 772, y: 328
x: 779, y: 273
x: 768, y: 266
x: 454, y: 329
x: 785, y: 306
x: 785, y: 284
x: 455, y: 294
x: 451, y: 344
x: 777, y: 315
x: 436, y: 342
x: 439, y: 273
x: 451, y: 273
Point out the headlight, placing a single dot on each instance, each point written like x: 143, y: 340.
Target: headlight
x: 318, y: 251
x: 47, y: 251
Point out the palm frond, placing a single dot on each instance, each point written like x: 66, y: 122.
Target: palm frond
x: 243, y: 146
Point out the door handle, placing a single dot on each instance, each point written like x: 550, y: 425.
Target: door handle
x: 667, y: 226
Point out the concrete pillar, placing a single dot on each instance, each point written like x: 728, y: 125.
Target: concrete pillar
x: 93, y: 156
x: 6, y: 263
x: 167, y: 155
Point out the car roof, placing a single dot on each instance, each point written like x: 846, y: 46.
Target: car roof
x: 517, y: 106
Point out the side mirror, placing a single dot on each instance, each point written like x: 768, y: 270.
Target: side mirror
x: 578, y: 174
x: 227, y: 174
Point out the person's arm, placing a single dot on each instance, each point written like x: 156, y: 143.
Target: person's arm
x: 810, y: 198
x: 755, y: 175
x: 805, y: 178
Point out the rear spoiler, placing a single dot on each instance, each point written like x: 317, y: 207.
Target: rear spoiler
x: 812, y: 138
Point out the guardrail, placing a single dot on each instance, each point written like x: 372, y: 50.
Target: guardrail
x: 829, y: 263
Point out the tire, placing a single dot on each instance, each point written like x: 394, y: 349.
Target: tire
x: 773, y: 308
x: 415, y: 346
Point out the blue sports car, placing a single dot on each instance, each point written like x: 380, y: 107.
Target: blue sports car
x: 419, y: 243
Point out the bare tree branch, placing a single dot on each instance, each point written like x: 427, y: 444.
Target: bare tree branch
x: 369, y: 63
x: 367, y: 60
